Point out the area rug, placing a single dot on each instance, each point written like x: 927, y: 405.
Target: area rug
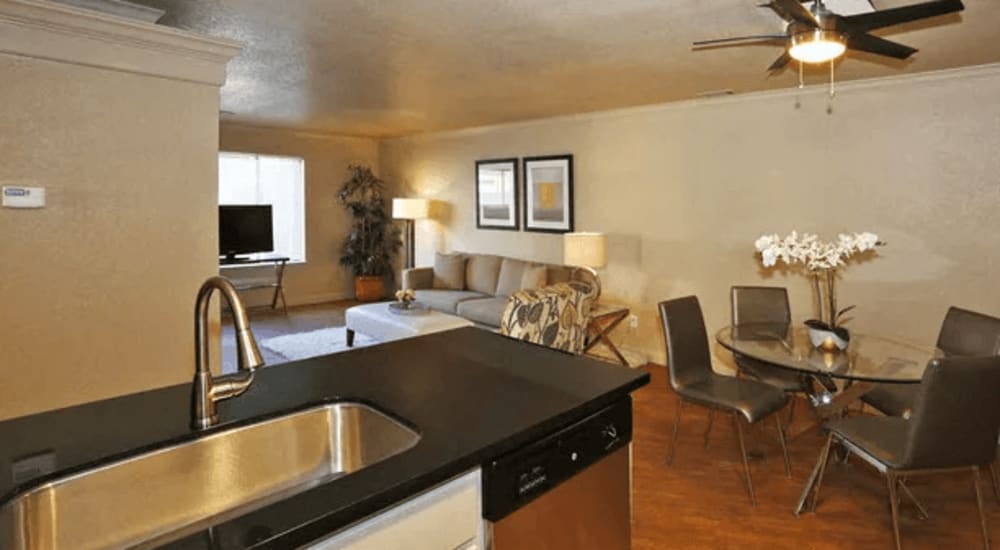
x: 304, y: 345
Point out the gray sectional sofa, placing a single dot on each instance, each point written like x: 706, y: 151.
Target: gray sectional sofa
x: 476, y: 286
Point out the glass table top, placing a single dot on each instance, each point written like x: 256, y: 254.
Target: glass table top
x: 867, y: 357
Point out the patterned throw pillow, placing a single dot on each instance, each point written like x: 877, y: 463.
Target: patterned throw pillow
x: 555, y: 316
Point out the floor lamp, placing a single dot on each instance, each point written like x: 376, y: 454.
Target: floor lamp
x: 409, y: 210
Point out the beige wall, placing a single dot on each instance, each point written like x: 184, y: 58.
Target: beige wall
x: 683, y: 190
x: 97, y: 288
x: 321, y: 278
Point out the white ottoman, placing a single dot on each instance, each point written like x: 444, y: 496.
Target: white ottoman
x: 376, y: 321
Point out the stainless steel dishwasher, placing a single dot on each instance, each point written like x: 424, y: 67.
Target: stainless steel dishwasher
x: 569, y: 489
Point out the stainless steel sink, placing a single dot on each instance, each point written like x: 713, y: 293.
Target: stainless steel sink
x: 162, y: 495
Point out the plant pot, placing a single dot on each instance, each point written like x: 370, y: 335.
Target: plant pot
x: 826, y: 340
x: 369, y: 288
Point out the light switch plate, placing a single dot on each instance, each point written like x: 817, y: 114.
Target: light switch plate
x: 23, y: 197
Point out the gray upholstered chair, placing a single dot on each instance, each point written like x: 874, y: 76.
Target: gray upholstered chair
x: 953, y: 427
x: 767, y: 306
x: 692, y: 378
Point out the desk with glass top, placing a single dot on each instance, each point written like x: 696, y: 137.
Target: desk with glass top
x: 276, y: 281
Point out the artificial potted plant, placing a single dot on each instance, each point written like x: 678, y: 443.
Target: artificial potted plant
x: 373, y: 240
x: 822, y: 261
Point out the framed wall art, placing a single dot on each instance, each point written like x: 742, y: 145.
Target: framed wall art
x: 497, y: 195
x: 548, y: 194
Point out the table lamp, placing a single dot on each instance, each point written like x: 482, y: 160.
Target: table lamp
x: 587, y: 251
x: 409, y: 210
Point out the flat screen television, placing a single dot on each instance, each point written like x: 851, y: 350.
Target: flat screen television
x: 245, y: 229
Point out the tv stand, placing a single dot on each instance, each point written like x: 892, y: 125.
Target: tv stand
x: 277, y: 283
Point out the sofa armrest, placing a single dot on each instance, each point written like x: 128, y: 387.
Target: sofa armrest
x: 418, y: 278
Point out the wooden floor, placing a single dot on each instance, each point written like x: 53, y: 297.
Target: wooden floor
x: 700, y: 501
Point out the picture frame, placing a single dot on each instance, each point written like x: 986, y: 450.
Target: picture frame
x: 548, y: 194
x: 497, y: 198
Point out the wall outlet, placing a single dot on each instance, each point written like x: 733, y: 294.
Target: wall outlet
x: 633, y: 321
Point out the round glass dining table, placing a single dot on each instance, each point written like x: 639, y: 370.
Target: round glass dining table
x: 867, y: 358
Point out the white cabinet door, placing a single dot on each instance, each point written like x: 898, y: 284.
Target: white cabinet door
x: 447, y: 517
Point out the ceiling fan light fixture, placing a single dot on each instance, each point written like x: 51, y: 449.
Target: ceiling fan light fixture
x: 817, y: 46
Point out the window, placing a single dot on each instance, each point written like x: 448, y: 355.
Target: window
x: 278, y: 181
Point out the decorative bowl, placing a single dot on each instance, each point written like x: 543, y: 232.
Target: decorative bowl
x: 408, y: 308
x: 826, y: 340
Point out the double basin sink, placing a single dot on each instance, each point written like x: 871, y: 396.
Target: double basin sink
x: 165, y: 494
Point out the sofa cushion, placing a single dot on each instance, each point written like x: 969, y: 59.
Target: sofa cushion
x: 449, y: 271
x: 446, y: 301
x: 535, y: 276
x: 482, y: 272
x: 511, y: 276
x: 486, y: 311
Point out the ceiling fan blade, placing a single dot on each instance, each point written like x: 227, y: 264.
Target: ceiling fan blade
x: 880, y: 46
x: 780, y: 63
x: 792, y: 10
x: 757, y: 38
x: 864, y: 22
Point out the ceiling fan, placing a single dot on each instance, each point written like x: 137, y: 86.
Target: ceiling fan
x: 817, y: 35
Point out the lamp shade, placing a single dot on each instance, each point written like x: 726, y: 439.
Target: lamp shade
x: 585, y: 249
x: 410, y: 209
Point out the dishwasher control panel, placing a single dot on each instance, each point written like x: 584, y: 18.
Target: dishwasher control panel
x: 520, y: 476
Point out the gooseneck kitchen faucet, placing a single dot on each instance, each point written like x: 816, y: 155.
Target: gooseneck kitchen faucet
x: 207, y: 389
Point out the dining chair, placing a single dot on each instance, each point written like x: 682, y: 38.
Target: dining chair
x: 963, y: 333
x: 691, y: 376
x: 954, y: 426
x: 766, y: 306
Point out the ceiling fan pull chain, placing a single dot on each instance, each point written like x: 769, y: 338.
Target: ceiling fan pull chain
x: 833, y: 91
x: 802, y: 84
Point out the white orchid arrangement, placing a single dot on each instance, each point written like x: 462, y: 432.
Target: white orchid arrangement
x: 821, y: 259
x: 815, y: 254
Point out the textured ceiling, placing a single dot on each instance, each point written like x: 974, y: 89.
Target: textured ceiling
x: 395, y: 67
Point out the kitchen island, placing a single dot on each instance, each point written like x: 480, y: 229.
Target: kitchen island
x: 472, y: 396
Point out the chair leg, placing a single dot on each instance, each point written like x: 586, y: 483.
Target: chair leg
x: 891, y: 481
x: 743, y: 454
x: 673, y: 436
x: 996, y: 481
x: 708, y: 430
x: 979, y: 506
x: 784, y: 447
x: 824, y: 457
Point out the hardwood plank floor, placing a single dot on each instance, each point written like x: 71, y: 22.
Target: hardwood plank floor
x: 700, y: 501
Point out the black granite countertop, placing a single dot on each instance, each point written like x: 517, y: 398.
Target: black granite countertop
x: 472, y: 395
